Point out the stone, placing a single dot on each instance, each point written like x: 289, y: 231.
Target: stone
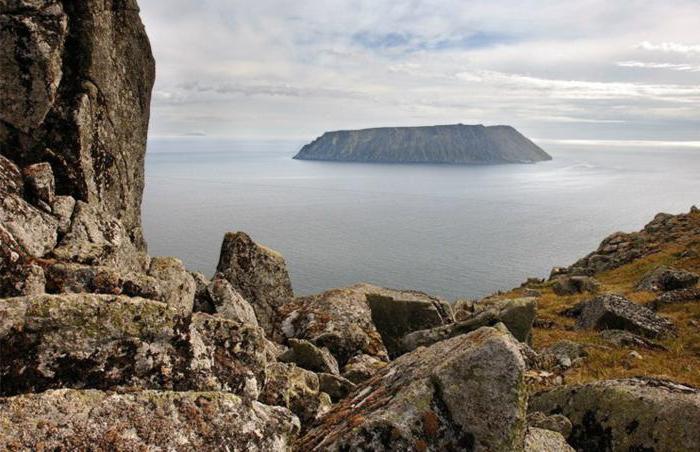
x: 78, y: 278
x: 361, y: 367
x: 296, y: 389
x: 258, y: 273
x: 610, y: 311
x: 335, y: 386
x: 35, y: 231
x: 556, y: 422
x: 621, y: 338
x: 676, y: 296
x: 11, y: 181
x: 62, y: 209
x: 19, y: 275
x: 202, y: 299
x: 338, y: 319
x: 464, y: 393
x: 543, y: 440
x: 68, y: 419
x: 566, y: 353
x: 666, y: 278
x: 572, y: 285
x: 516, y: 314
x: 630, y: 414
x: 40, y: 182
x: 228, y: 303
x: 308, y: 356
x: 397, y: 313
x: 176, y: 283
x: 463, y: 309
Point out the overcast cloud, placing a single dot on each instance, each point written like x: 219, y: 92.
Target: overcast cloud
x: 557, y: 70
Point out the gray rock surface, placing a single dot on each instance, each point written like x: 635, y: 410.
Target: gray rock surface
x: 361, y: 367
x: 457, y: 143
x: 676, y: 296
x: 555, y: 422
x: 149, y: 420
x: 19, y: 275
x: 667, y: 278
x: 62, y: 208
x: 177, y: 285
x: 33, y: 229
x: 543, y: 440
x: 572, y: 285
x: 335, y: 386
x: 226, y: 302
x: 79, y: 278
x: 621, y: 338
x: 465, y: 393
x: 632, y: 414
x: 40, y: 183
x: 307, y: 355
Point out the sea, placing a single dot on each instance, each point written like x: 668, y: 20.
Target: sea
x: 449, y: 230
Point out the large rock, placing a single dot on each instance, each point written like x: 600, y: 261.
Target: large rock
x: 572, y: 285
x: 149, y: 420
x: 667, y: 278
x: 543, y: 440
x: 221, y: 299
x: 633, y: 414
x: 103, y: 341
x: 465, y: 393
x: 691, y: 295
x: 258, y: 273
x: 19, y: 275
x: 64, y: 277
x: 615, y: 312
x: 339, y: 319
x: 33, y: 229
x: 335, y: 386
x: 307, y: 355
x: 40, y: 182
x: 517, y: 315
x: 361, y: 367
x: 177, y: 284
x: 396, y: 313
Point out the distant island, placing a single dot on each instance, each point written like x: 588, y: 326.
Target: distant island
x: 455, y: 144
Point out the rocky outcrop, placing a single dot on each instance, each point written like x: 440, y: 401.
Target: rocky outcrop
x: 634, y: 414
x: 307, y: 355
x: 457, y: 143
x: 572, y: 285
x: 219, y: 298
x: 361, y: 367
x: 676, y: 296
x: 621, y: 338
x: 465, y: 393
x: 149, y: 420
x: 258, y: 273
x: 666, y: 278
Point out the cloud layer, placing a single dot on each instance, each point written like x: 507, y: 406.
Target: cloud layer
x: 589, y: 70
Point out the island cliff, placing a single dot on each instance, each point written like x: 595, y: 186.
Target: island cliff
x: 456, y: 144
x: 105, y: 348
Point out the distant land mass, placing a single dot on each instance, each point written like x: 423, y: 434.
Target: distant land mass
x: 456, y: 144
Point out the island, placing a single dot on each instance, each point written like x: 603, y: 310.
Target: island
x: 448, y: 144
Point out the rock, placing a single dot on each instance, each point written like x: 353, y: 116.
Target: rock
x: 572, y: 285
x: 361, y: 367
x: 96, y: 238
x: 258, y: 273
x: 543, y: 440
x: 40, y: 182
x: 11, y: 181
x: 335, y: 386
x: 556, y: 422
x: 611, y: 311
x: 621, y: 338
x: 632, y: 414
x: 465, y: 393
x: 566, y: 353
x: 78, y: 278
x: 202, y: 299
x: 339, y: 319
x: 35, y: 231
x: 463, y: 309
x: 104, y: 342
x: 516, y: 314
x: 62, y: 209
x: 635, y: 355
x: 676, y: 296
x: 297, y: 389
x: 397, y: 313
x: 307, y: 355
x: 667, y: 278
x: 176, y: 283
x: 19, y: 275
x: 229, y: 304
x: 147, y: 420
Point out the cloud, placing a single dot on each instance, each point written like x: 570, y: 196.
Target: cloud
x: 671, y: 66
x: 670, y: 47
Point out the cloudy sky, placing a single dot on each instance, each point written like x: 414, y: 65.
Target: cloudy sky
x: 557, y: 70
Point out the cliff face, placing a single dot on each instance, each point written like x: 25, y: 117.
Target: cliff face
x: 460, y: 144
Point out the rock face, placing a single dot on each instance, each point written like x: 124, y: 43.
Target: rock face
x: 258, y: 273
x: 666, y: 278
x: 307, y: 355
x: 634, y: 414
x: 466, y: 393
x: 542, y: 440
x: 437, y: 144
x: 149, y: 420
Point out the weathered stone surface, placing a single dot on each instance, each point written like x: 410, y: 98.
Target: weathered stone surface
x: 176, y: 283
x: 611, y: 311
x: 258, y: 273
x: 339, y: 319
x: 555, y: 422
x: 202, y: 299
x: 11, y: 181
x: 361, y: 367
x: 565, y: 353
x: 226, y: 302
x: 34, y: 230
x: 102, y: 341
x: 543, y: 440
x: 78, y: 278
x: 463, y: 309
x: 18, y: 274
x: 297, y: 389
x: 396, y: 313
x: 465, y: 393
x: 571, y: 285
x: 667, y: 278
x: 307, y: 355
x: 147, y: 420
x: 62, y: 209
x: 40, y: 182
x: 516, y: 314
x: 621, y: 338
x: 676, y: 296
x: 633, y: 414
x: 335, y: 386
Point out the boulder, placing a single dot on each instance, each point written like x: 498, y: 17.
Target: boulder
x: 176, y: 283
x: 676, y: 296
x: 40, y: 183
x: 556, y: 422
x: 202, y: 299
x: 465, y: 393
x: 397, y: 313
x: 335, y: 386
x: 258, y: 273
x: 339, y: 319
x: 19, y: 275
x: 631, y: 414
x: 612, y: 311
x: 361, y: 367
x: 543, y: 440
x: 78, y: 278
x: 34, y: 230
x: 11, y: 181
x: 572, y: 285
x: 62, y: 208
x: 69, y: 419
x: 667, y: 278
x: 621, y: 338
x: 463, y: 309
x: 565, y: 353
x: 307, y: 355
x: 228, y: 303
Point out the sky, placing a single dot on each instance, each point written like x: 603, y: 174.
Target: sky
x: 589, y: 70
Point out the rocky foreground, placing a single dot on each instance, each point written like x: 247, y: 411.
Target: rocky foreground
x: 103, y: 347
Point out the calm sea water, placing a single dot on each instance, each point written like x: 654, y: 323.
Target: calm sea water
x: 454, y: 231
